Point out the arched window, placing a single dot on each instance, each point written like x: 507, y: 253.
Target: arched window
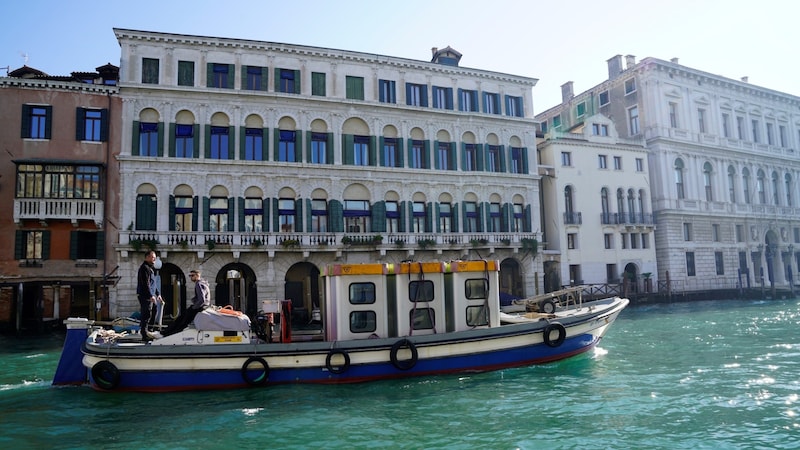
x: 621, y: 206
x: 679, y: 185
x: 788, y: 186
x: 760, y: 188
x: 604, y: 206
x: 569, y: 205
x: 746, y: 185
x: 776, y: 200
x: 631, y: 206
x: 731, y: 184
x: 707, y: 182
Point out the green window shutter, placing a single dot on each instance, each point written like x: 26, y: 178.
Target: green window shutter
x: 80, y: 125
x: 308, y: 146
x: 276, y: 142
x: 318, y: 84
x: 207, y: 142
x: 276, y: 226
x: 463, y: 156
x: 373, y: 151
x: 160, y: 138
x: 231, y: 76
x: 48, y: 122
x: 454, y: 213
x: 307, y: 215
x: 135, y: 139
x: 231, y: 142
x: 336, y: 217
x: 195, y: 215
x: 402, y: 220
x: 171, y: 213
x: 196, y: 140
x: 100, y: 245
x: 206, y: 216
x: 480, y: 157
x: 428, y: 217
x: 460, y: 103
x: 231, y: 212
x: 243, y: 77
x: 402, y: 162
x: 242, y: 138
x: 436, y: 155
x: 19, y: 239
x: 297, y: 82
x: 436, y: 217
x: 240, y: 213
x: 451, y: 154
x: 264, y: 79
x: 265, y: 214
x: 277, y: 81
x: 265, y: 145
x: 526, y: 226
x: 503, y: 166
x: 104, y: 125
x: 409, y: 150
x: 298, y: 145
x: 209, y: 74
x: 172, y: 140
x: 426, y: 154
x: 347, y: 149
x: 26, y: 122
x: 329, y: 149
x: 298, y: 215
x: 505, y: 217
x: 525, y: 160
x: 73, y: 245
x: 46, y: 244
x: 378, y: 218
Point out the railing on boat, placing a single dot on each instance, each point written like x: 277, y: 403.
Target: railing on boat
x: 563, y: 298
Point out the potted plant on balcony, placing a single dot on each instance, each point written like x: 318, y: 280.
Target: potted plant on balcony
x: 426, y: 243
x: 290, y: 243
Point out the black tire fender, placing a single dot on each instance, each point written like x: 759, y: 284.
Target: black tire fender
x: 261, y: 378
x: 337, y: 369
x: 403, y: 364
x: 562, y: 334
x: 105, y: 375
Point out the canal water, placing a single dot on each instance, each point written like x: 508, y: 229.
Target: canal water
x: 702, y: 375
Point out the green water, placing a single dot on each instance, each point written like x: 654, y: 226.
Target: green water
x: 716, y: 375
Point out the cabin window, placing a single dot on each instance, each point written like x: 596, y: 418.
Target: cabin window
x: 420, y: 291
x: 362, y: 321
x: 422, y: 318
x: 477, y: 316
x: 362, y: 293
x: 476, y: 288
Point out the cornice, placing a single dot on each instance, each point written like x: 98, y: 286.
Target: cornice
x: 27, y: 83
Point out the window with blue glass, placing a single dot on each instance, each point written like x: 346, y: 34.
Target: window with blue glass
x: 445, y: 218
x: 253, y: 144
x: 470, y: 158
x: 220, y: 76
x: 36, y: 121
x: 184, y: 209
x: 286, y: 146
x: 517, y: 160
x: 253, y: 214
x: 494, y: 218
x: 416, y: 157
x: 286, y: 215
x: 418, y: 218
x: 319, y: 216
x: 392, y: 217
x: 219, y: 143
x: 148, y: 139
x: 391, y: 157
x: 471, y: 216
x: 416, y: 94
x: 288, y: 81
x: 519, y: 219
x: 494, y: 159
x: 491, y: 103
x: 386, y: 91
x: 442, y: 97
x: 218, y: 214
x: 514, y: 106
x: 357, y: 216
x: 319, y: 148
x: 255, y: 78
x: 184, y: 141
x: 445, y: 156
x: 361, y: 150
x: 91, y: 125
x: 467, y: 100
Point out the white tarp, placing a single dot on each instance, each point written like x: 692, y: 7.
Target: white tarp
x: 211, y: 320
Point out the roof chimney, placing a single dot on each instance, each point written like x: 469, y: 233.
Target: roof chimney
x: 614, y: 66
x: 745, y: 79
x: 566, y: 92
x: 630, y: 61
x: 674, y: 60
x: 433, y: 51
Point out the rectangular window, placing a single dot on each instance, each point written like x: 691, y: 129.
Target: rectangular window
x: 356, y: 214
x: 86, y: 245
x: 608, y: 241
x: 580, y: 109
x: 770, y: 134
x: 286, y: 215
x: 639, y: 165
x: 318, y: 84
x: 255, y: 78
x: 690, y: 271
x: 604, y: 99
x: 361, y: 150
x: 566, y: 159
x: 718, y: 262
x: 58, y: 181
x: 518, y: 222
x: 319, y: 216
x: 92, y: 125
x: 634, y: 241
x: 467, y: 100
x: 740, y: 128
x: 185, y: 73
x: 416, y: 94
x: 443, y: 156
x: 219, y: 143
x: 184, y: 209
x: 471, y: 217
x: 782, y: 135
x: 319, y: 148
x: 630, y: 86
x: 556, y: 122
x: 571, y: 238
x: 218, y: 214
x: 288, y: 81
x: 391, y: 157
x: 286, y: 146
x: 220, y: 76
x: 623, y: 240
x: 184, y: 141
x: 491, y: 103
x: 362, y: 293
x: 673, y: 115
x: 617, y: 163
x: 32, y: 245
x: 36, y: 121
x: 386, y: 91
x: 493, y: 159
x: 470, y: 158
x: 756, y: 126
x: 419, y: 214
x: 715, y: 230
x: 445, y: 217
x: 633, y: 120
x: 599, y: 129
x: 495, y: 221
x: 602, y: 161
x: 517, y: 163
x: 354, y: 88
x: 726, y: 132
x: 392, y: 217
x: 149, y: 71
x: 645, y: 240
x: 253, y: 144
x: 701, y: 120
x: 417, y: 159
x: 739, y: 233
x: 253, y: 214
x: 442, y: 97
x: 687, y: 232
x: 148, y: 139
x: 514, y: 106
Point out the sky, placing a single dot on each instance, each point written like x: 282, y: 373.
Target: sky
x: 552, y: 41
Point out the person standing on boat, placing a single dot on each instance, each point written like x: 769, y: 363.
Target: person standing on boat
x: 200, y: 301
x: 146, y: 291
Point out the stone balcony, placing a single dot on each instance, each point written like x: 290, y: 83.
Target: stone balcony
x: 44, y: 209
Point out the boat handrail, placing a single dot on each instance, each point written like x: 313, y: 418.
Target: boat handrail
x: 563, y: 297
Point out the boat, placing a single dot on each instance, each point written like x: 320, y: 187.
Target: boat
x: 376, y: 321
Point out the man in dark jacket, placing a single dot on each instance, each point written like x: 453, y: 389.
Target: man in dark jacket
x: 146, y: 291
x: 200, y: 301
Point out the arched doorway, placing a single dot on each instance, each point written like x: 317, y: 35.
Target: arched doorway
x: 302, y: 288
x: 631, y: 276
x: 552, y: 276
x: 511, y: 279
x: 236, y: 286
x: 772, y: 256
x: 173, y: 289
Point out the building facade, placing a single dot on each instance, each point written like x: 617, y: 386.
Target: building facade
x: 58, y: 183
x: 261, y: 163
x: 723, y: 162
x: 595, y: 190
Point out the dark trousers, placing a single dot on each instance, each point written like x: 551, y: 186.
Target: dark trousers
x: 182, y: 321
x: 144, y: 311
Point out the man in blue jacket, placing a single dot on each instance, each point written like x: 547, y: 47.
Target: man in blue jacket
x: 146, y: 291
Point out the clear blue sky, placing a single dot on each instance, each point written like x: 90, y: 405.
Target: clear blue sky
x: 554, y: 41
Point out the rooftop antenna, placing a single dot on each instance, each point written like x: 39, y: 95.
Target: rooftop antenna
x: 24, y: 58
x: 8, y: 68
